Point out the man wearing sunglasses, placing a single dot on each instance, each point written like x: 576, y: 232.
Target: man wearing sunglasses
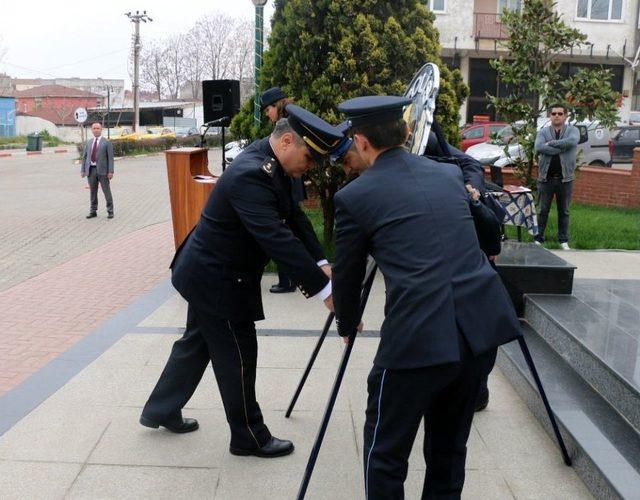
x: 556, y: 146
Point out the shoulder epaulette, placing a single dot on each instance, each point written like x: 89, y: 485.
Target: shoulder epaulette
x: 268, y: 166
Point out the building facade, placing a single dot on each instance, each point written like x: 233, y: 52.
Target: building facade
x: 471, y: 32
x: 100, y: 86
x: 55, y: 102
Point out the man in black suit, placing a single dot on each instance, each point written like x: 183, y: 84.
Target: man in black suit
x: 249, y: 218
x: 446, y: 309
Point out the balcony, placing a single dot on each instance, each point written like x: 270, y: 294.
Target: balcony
x: 487, y: 26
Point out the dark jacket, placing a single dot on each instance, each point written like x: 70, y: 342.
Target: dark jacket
x: 249, y: 218
x: 412, y: 215
x: 472, y: 169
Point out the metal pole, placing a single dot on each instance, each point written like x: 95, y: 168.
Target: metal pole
x: 258, y: 63
x: 534, y: 372
x: 136, y: 76
x: 108, y: 111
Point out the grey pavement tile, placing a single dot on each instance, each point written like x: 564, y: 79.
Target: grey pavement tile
x: 173, y: 313
x: 97, y: 386
x: 294, y: 352
x: 36, y: 480
x: 489, y: 484
x: 546, y: 481
x: 241, y: 483
x: 134, y: 351
x: 276, y: 386
x: 55, y: 433
x: 126, y: 442
x: 97, y: 482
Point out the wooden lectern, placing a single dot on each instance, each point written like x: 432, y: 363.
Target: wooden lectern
x: 190, y: 184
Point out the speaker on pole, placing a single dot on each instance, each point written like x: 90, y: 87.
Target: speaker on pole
x: 220, y: 98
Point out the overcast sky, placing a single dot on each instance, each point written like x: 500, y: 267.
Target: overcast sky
x: 92, y: 39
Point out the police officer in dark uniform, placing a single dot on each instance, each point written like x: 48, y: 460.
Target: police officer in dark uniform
x: 249, y: 218
x: 446, y: 308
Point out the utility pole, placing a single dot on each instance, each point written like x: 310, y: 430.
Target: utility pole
x: 259, y: 4
x: 136, y: 18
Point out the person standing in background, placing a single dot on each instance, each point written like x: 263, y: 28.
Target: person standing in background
x: 97, y: 166
x: 556, y: 146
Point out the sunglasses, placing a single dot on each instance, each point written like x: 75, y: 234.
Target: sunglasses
x: 557, y: 113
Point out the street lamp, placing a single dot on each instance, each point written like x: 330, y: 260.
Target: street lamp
x: 136, y: 18
x: 259, y: 4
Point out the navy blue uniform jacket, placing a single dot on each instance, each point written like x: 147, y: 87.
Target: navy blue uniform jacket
x: 249, y: 218
x: 412, y: 215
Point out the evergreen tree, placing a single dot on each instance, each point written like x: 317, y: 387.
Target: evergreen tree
x: 322, y: 52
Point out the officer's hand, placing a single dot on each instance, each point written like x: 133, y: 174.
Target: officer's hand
x: 359, y: 330
x: 110, y: 176
x: 475, y: 194
x: 326, y: 268
x: 328, y: 302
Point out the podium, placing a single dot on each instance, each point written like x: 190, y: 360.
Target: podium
x: 190, y: 184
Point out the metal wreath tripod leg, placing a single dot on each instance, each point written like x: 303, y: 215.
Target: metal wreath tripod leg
x: 366, y: 288
x: 316, y: 349
x: 312, y: 360
x: 543, y: 395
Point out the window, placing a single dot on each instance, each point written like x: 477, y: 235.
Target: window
x: 38, y: 101
x: 473, y: 133
x: 436, y: 5
x: 630, y: 134
x: 494, y: 129
x: 600, y: 10
x: 509, y: 5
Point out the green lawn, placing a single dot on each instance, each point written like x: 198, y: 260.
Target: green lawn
x: 592, y: 227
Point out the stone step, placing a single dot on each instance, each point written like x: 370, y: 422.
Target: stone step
x: 600, y: 348
x: 604, y: 447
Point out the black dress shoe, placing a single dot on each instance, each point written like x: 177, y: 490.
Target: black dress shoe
x: 91, y: 215
x: 483, y: 401
x: 282, y: 289
x: 274, y: 448
x: 187, y: 424
x: 110, y: 216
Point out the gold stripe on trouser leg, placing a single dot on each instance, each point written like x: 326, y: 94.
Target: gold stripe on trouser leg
x: 244, y: 399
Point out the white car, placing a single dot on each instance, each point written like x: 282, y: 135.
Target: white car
x: 233, y: 149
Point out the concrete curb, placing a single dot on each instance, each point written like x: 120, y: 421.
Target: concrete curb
x: 33, y: 153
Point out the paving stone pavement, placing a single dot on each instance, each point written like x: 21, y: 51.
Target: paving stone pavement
x: 44, y: 203
x: 84, y: 441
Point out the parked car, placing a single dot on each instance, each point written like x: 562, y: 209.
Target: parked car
x: 593, y: 148
x: 623, y: 140
x: 479, y: 132
x: 634, y: 118
x: 233, y: 149
x: 184, y: 132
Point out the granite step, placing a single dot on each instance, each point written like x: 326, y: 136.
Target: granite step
x: 600, y: 345
x: 604, y: 447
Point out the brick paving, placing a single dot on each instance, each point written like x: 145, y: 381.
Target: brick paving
x: 45, y: 315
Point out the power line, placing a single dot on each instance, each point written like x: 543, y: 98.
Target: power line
x: 63, y: 65
x: 89, y: 59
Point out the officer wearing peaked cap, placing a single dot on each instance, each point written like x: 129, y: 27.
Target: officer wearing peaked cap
x: 249, y: 218
x: 446, y: 309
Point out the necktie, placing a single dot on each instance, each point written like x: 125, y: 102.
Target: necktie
x: 94, y: 151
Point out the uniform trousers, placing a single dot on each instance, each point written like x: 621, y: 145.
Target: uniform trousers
x: 232, y: 348
x: 445, y: 397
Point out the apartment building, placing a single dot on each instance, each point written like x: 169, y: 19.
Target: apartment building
x: 471, y: 32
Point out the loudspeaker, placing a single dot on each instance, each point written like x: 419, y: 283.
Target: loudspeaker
x: 220, y: 98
